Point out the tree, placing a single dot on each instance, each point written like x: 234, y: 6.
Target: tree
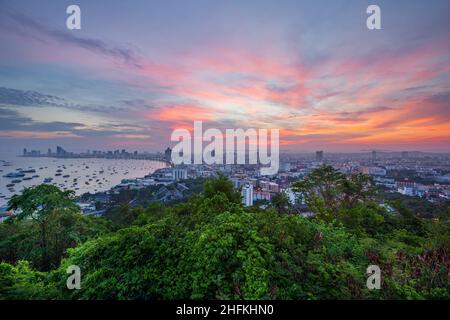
x: 49, y: 217
x: 212, y: 248
x: 280, y: 201
x: 221, y: 184
x: 327, y: 191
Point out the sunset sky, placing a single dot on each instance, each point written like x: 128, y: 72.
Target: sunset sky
x: 139, y: 69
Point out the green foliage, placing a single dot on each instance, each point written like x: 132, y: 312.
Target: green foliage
x: 280, y: 202
x: 20, y: 282
x: 221, y: 184
x: 40, y: 201
x: 212, y: 248
x: 48, y: 222
x: 327, y: 191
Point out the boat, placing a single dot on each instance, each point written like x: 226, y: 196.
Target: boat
x: 66, y: 176
x: 47, y: 180
x: 28, y: 171
x: 10, y: 185
x: 16, y: 181
x: 14, y: 175
x: 58, y: 174
x: 27, y: 178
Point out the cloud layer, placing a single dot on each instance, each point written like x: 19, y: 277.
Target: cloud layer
x: 132, y: 83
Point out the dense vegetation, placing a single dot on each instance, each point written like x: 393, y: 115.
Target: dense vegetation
x: 210, y: 247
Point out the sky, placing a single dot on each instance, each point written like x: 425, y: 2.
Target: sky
x: 137, y: 70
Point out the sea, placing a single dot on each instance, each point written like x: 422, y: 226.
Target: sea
x: 79, y: 175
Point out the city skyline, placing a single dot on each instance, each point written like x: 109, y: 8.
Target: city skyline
x: 138, y: 70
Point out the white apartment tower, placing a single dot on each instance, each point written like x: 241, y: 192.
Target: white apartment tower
x: 247, y: 195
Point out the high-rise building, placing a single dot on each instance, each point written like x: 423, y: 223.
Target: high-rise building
x: 319, y: 155
x: 247, y: 195
x: 374, y: 155
x: 24, y: 151
x: 168, y: 154
x: 60, y: 151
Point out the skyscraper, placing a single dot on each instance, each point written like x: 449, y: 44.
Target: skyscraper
x: 319, y: 155
x: 247, y: 195
x: 168, y: 154
x: 60, y: 151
